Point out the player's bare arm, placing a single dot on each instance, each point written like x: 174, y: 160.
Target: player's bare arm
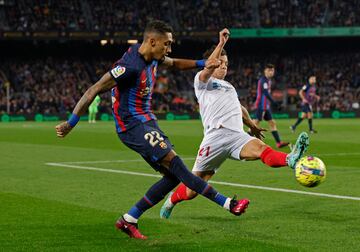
x: 104, y: 84
x: 180, y: 64
x: 213, y: 59
x: 254, y: 129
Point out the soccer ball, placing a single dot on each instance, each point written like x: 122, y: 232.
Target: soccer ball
x: 310, y: 171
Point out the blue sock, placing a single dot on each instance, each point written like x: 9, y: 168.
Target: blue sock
x: 154, y: 195
x: 178, y: 168
x: 310, y: 124
x: 299, y: 120
x: 275, y: 134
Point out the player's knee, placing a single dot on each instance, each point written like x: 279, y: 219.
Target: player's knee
x: 253, y: 149
x: 165, y: 162
x: 262, y: 147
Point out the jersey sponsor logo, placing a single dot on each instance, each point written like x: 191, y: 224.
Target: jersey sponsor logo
x: 117, y: 71
x: 144, y: 91
x: 219, y: 86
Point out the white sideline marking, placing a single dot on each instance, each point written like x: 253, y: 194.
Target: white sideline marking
x: 111, y: 161
x: 187, y: 158
x: 338, y: 154
x: 211, y: 181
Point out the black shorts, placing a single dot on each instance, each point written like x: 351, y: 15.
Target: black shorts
x: 263, y: 114
x: 306, y: 108
x: 149, y: 141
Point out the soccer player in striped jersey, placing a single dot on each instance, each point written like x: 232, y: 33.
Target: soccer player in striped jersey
x: 132, y: 80
x: 308, y: 98
x: 224, y: 137
x: 263, y: 101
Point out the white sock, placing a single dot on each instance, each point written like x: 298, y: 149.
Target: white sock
x: 129, y: 218
x: 227, y: 204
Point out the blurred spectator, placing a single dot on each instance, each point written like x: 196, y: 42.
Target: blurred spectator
x: 54, y: 85
x: 184, y: 15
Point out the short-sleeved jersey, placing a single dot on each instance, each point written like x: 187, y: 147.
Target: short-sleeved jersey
x: 310, y: 92
x: 131, y: 97
x: 261, y: 100
x: 219, y: 104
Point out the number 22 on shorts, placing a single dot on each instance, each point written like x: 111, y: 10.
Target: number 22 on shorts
x: 153, y: 137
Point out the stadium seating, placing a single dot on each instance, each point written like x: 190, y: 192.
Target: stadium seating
x: 200, y: 15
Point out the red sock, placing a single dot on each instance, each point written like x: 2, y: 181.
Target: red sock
x: 273, y: 158
x: 179, y: 195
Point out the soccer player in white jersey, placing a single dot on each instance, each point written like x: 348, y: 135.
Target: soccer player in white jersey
x: 224, y: 137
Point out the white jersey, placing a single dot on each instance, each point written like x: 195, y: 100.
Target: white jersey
x: 219, y: 104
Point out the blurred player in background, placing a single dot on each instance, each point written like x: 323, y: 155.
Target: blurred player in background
x: 132, y: 80
x: 223, y: 117
x: 263, y: 101
x: 308, y: 98
x: 93, y: 109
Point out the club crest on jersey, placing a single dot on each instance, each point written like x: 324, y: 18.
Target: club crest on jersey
x: 145, y: 91
x: 117, y: 71
x: 163, y: 145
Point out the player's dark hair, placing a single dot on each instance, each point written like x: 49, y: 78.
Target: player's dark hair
x: 209, y: 51
x: 269, y: 66
x: 158, y: 26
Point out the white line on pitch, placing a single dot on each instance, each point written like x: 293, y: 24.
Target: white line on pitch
x: 187, y: 158
x: 111, y: 161
x: 338, y: 154
x: 213, y: 182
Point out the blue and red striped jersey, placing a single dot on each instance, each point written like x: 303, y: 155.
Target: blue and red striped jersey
x: 263, y: 87
x: 131, y: 97
x: 310, y: 93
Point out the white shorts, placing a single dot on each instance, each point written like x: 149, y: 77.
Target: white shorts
x: 217, y: 146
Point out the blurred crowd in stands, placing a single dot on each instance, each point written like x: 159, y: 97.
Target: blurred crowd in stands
x: 54, y: 85
x: 197, y: 15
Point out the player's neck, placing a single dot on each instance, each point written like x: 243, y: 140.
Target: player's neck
x: 145, y: 52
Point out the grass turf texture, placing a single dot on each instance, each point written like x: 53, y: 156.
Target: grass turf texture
x: 46, y: 208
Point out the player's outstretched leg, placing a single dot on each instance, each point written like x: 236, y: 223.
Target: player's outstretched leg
x: 181, y: 193
x: 195, y: 183
x: 236, y: 207
x: 128, y: 222
x: 298, y: 149
x: 167, y: 207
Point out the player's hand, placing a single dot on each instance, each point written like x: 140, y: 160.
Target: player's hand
x: 224, y: 35
x: 257, y: 132
x: 63, y: 129
x: 212, y: 63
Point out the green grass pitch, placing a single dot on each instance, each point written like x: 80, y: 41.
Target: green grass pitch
x: 64, y: 208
